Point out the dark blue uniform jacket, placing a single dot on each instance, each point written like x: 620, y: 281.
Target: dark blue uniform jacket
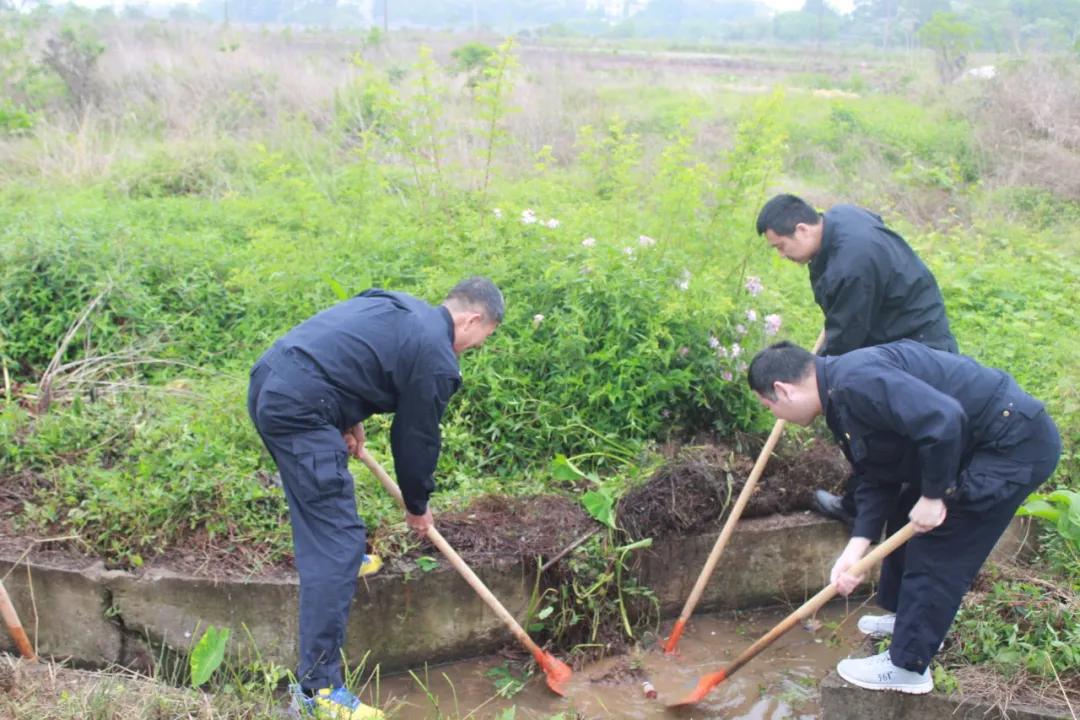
x: 905, y: 413
x: 379, y: 352
x: 872, y: 286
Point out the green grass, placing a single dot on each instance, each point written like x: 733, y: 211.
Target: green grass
x: 201, y: 253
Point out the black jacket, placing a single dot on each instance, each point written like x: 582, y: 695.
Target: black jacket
x: 379, y: 352
x: 903, y: 412
x: 872, y: 286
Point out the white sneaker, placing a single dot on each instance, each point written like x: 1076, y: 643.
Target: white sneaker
x: 877, y: 672
x: 877, y: 626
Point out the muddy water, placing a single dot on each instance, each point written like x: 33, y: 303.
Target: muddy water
x: 780, y: 683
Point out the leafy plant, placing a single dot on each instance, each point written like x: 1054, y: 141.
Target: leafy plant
x: 1061, y: 509
x: 507, y: 684
x: 208, y: 654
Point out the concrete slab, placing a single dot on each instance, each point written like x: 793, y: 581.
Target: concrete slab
x: 841, y: 701
x: 65, y: 611
x: 98, y: 617
x: 768, y: 561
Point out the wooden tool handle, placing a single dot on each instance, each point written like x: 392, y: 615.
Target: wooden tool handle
x: 815, y: 603
x: 11, y: 619
x: 737, y: 510
x: 459, y: 564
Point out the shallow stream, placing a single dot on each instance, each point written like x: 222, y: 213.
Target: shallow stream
x: 780, y: 683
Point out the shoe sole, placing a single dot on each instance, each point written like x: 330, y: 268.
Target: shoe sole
x: 876, y: 635
x: 908, y: 690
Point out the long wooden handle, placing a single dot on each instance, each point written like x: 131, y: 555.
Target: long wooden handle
x: 733, y: 517
x: 11, y: 619
x: 459, y: 564
x: 814, y: 604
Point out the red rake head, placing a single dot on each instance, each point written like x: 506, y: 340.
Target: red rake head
x: 673, y: 640
x: 558, y: 673
x: 705, y: 684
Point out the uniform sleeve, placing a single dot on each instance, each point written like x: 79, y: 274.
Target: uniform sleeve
x: 933, y: 421
x: 873, y: 503
x: 416, y: 438
x: 850, y: 306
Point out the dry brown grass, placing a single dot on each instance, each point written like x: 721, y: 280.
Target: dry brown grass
x: 1028, y: 125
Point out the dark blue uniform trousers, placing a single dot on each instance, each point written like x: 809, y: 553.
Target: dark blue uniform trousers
x: 328, y: 536
x: 924, y: 581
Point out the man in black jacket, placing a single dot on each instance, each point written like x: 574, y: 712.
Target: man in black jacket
x: 869, y: 283
x: 378, y: 352
x: 938, y: 439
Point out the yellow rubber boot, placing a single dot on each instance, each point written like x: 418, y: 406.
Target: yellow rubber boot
x: 340, y: 704
x: 371, y: 565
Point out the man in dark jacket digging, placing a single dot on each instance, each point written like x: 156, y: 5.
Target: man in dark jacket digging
x: 378, y: 352
x: 870, y: 284
x: 938, y: 439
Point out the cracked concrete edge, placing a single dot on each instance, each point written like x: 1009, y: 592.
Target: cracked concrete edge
x: 100, y: 617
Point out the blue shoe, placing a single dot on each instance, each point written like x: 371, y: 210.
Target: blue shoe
x: 330, y: 704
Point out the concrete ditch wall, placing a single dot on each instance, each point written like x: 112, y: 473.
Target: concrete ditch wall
x: 96, y: 617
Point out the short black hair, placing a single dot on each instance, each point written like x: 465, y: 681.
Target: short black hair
x: 780, y: 362
x: 481, y: 294
x: 783, y: 213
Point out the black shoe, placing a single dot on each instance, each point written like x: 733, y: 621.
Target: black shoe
x: 832, y: 506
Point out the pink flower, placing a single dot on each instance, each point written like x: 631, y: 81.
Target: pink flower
x: 497, y: 212
x: 684, y: 351
x: 727, y: 375
x: 753, y: 285
x: 772, y: 324
x: 741, y: 329
x: 645, y: 241
x: 736, y: 351
x: 751, y: 315
x: 552, y: 223
x: 629, y: 251
x: 537, y: 319
x: 741, y: 367
x: 714, y: 343
x: 528, y: 217
x: 588, y: 242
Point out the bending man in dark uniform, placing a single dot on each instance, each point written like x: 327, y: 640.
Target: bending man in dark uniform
x: 378, y: 352
x: 870, y: 284
x: 937, y: 438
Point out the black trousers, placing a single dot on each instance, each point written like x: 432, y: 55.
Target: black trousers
x: 328, y: 537
x: 924, y: 581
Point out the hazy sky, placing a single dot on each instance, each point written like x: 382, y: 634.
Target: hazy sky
x: 843, y: 6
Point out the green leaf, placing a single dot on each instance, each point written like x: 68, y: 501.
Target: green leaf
x: 208, y: 654
x: 427, y: 564
x: 600, y: 506
x: 545, y: 612
x: 563, y: 470
x: 339, y: 291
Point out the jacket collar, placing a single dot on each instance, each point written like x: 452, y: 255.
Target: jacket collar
x: 449, y: 320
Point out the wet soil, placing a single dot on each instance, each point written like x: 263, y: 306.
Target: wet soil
x: 690, y: 492
x: 697, y: 488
